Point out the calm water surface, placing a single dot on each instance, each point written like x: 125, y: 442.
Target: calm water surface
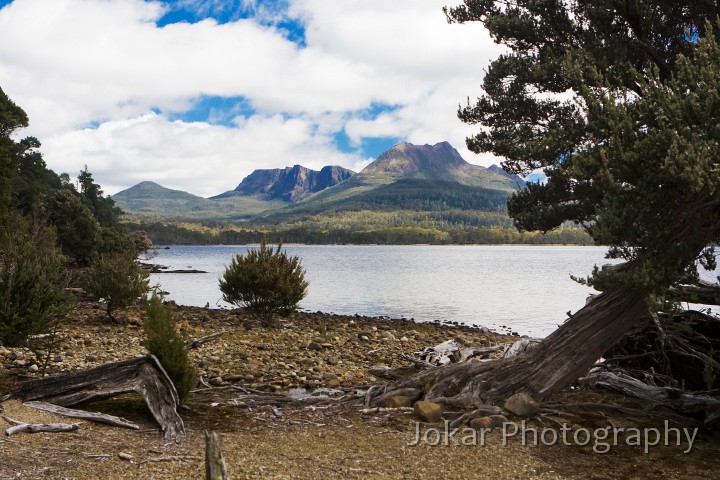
x: 524, y: 288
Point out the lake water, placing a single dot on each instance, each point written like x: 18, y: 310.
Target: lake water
x: 526, y: 289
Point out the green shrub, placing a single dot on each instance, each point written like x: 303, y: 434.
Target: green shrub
x: 32, y: 280
x: 266, y: 281
x: 163, y: 341
x: 118, y: 279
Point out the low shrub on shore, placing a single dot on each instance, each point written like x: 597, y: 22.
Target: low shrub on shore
x: 266, y: 281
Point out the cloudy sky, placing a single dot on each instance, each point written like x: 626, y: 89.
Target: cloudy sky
x: 196, y: 94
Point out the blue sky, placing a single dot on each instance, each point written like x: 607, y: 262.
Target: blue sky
x: 196, y: 94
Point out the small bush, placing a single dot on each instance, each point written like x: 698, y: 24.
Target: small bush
x: 117, y: 278
x: 163, y: 341
x: 266, y: 281
x: 32, y: 280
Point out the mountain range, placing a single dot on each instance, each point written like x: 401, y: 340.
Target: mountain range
x: 407, y: 178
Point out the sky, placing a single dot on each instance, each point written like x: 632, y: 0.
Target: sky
x: 196, y: 94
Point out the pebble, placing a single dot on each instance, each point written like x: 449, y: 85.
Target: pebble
x: 315, y: 346
x: 125, y: 456
x: 33, y: 368
x: 482, y: 423
x: 387, y: 336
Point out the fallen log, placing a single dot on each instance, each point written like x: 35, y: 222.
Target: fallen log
x: 21, y: 427
x: 700, y: 406
x: 143, y: 375
x: 702, y: 292
x: 199, y: 342
x: 450, y: 351
x: 82, y: 414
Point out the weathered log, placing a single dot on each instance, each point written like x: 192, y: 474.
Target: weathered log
x: 143, y: 375
x: 199, y: 342
x: 521, y: 346
x: 215, y: 468
x: 702, y: 292
x: 82, y: 414
x: 701, y: 406
x: 451, y: 351
x: 21, y: 427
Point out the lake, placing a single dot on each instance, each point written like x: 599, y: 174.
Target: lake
x: 526, y: 289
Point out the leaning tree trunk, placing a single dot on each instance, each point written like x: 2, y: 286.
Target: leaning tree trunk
x: 559, y: 359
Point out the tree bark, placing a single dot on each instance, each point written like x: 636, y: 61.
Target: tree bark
x: 558, y: 360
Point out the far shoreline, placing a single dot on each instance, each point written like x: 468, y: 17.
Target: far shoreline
x: 297, y: 244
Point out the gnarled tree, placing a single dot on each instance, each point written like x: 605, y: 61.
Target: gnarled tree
x: 619, y: 103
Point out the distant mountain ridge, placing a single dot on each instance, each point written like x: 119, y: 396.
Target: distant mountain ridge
x: 291, y: 184
x: 430, y: 184
x: 438, y: 162
x: 148, y: 197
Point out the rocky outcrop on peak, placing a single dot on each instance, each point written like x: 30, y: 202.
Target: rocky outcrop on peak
x: 291, y: 184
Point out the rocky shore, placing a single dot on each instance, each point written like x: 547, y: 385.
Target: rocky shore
x: 310, y: 350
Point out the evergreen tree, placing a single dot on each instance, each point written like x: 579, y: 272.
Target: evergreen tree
x: 618, y: 102
x: 102, y: 207
x: 610, y: 169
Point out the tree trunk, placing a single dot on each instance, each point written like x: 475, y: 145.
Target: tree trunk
x: 559, y: 359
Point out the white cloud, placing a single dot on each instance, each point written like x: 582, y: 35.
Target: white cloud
x: 75, y: 63
x: 197, y: 157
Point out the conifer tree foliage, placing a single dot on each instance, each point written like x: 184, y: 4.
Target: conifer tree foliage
x: 266, y: 281
x: 102, y: 207
x: 615, y: 100
x: 618, y: 101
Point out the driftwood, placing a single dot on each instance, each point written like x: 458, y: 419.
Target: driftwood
x: 524, y: 345
x: 143, y: 375
x: 199, y: 342
x: 21, y: 427
x: 451, y: 351
x: 215, y: 468
x: 431, y: 357
x: 699, y: 406
x: 82, y: 414
x: 702, y: 292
